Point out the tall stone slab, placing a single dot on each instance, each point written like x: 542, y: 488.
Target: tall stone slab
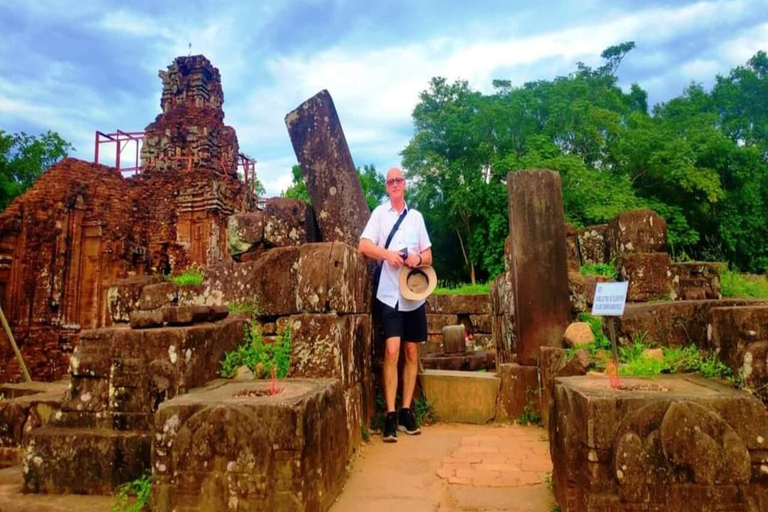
x: 328, y: 169
x: 539, y: 261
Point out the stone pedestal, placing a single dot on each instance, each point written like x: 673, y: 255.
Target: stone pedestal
x: 519, y: 388
x: 462, y: 397
x: 679, y: 443
x: 539, y: 261
x: 233, y: 446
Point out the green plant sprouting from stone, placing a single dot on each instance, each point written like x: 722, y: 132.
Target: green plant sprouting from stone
x: 600, y: 269
x: 258, y: 356
x: 141, y: 488
x: 190, y: 277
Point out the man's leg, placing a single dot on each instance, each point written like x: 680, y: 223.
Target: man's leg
x: 390, y: 372
x: 391, y: 353
x: 410, y: 372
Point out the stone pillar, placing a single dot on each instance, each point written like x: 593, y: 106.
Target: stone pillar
x: 539, y: 261
x: 328, y: 169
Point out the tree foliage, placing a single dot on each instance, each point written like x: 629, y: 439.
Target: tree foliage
x: 24, y: 158
x: 700, y: 160
x: 371, y: 181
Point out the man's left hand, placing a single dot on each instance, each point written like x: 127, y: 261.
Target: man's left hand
x: 412, y: 260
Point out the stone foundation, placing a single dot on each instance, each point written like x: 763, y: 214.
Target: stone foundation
x: 217, y: 450
x: 675, y: 443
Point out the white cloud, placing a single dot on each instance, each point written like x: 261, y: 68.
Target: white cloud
x: 375, y: 90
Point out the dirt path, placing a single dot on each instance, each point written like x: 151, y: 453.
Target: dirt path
x: 450, y: 468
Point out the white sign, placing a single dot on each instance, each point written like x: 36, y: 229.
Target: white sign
x: 610, y: 299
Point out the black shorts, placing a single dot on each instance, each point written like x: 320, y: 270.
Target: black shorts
x: 406, y: 325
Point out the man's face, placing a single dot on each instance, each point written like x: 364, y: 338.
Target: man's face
x: 395, y: 184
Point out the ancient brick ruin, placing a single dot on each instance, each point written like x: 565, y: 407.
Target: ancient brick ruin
x: 82, y: 227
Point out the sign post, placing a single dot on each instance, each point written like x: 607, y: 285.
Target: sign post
x: 610, y: 299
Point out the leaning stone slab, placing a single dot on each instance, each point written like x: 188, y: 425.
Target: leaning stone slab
x: 680, y: 443
x: 329, y: 172
x: 236, y: 447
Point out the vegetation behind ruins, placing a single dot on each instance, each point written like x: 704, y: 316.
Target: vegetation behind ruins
x: 700, y: 160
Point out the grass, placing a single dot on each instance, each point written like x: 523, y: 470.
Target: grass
x: 141, y: 488
x: 189, y: 277
x: 600, y: 269
x: 423, y: 411
x: 751, y: 286
x: 464, y: 289
x: 529, y: 416
x: 250, y: 307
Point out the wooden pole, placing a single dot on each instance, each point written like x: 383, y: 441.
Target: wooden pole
x: 7, y: 328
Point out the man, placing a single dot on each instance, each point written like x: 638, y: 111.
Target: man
x: 401, y: 319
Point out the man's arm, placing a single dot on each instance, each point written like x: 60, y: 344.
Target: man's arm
x: 370, y: 250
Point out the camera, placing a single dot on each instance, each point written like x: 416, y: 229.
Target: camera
x: 404, y: 253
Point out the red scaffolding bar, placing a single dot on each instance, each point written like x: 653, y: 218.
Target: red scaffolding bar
x: 120, y: 139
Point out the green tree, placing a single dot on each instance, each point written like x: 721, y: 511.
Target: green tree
x: 371, y: 181
x: 24, y: 158
x: 298, y: 189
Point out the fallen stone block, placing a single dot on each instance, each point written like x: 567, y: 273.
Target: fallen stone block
x: 592, y: 247
x: 123, y: 297
x: 696, y: 280
x: 635, y: 231
x: 649, y: 276
x: 155, y: 296
x: 147, y: 319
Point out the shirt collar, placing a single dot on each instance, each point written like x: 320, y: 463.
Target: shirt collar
x: 392, y: 208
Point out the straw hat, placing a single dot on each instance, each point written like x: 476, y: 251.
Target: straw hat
x: 417, y: 283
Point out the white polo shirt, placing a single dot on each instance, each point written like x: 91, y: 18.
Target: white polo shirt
x: 411, y: 233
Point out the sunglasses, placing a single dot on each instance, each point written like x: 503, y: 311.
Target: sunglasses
x: 393, y: 181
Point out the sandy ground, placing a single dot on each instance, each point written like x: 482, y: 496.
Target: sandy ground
x: 448, y: 468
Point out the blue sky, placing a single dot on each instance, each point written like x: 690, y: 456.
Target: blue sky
x: 77, y: 67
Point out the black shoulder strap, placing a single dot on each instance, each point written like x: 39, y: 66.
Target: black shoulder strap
x: 394, y: 228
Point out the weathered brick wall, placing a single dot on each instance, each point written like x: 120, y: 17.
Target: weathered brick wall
x: 63, y: 243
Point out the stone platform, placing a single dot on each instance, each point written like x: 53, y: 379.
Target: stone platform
x: 234, y: 446
x: 681, y: 443
x: 462, y: 397
x: 101, y: 436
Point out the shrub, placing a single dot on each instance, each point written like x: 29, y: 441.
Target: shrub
x: 258, y: 356
x: 141, y: 488
x: 600, y: 269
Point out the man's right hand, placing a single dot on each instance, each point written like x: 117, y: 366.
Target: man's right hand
x: 394, y: 259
